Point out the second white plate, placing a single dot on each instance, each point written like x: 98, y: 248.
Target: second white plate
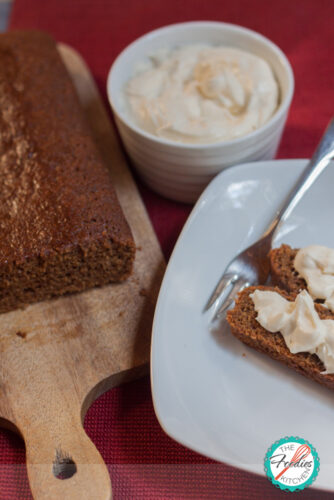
x: 212, y: 393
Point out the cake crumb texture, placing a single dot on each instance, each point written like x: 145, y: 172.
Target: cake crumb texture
x: 283, y: 273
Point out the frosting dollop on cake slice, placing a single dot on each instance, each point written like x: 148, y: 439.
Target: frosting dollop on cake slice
x: 298, y: 322
x: 315, y: 263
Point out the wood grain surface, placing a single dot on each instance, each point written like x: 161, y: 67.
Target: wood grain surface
x: 57, y: 357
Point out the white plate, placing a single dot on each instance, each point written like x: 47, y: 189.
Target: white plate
x: 212, y: 393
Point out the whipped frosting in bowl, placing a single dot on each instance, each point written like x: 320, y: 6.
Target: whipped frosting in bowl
x: 172, y: 166
x: 201, y: 94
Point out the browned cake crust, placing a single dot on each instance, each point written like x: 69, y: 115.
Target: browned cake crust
x: 61, y: 226
x: 283, y: 274
x: 242, y: 320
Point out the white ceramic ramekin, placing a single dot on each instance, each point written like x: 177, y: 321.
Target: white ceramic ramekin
x: 181, y: 171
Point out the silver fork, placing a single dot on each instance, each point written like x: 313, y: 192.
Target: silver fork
x: 251, y: 266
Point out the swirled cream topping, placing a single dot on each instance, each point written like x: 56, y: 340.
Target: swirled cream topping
x: 299, y: 324
x: 315, y: 263
x: 202, y: 94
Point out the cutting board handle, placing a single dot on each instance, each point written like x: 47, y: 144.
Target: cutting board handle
x: 63, y: 463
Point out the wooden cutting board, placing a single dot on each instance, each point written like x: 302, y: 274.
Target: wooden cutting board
x: 57, y: 357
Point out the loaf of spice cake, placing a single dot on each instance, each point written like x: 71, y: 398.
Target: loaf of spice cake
x: 244, y: 326
x: 62, y: 229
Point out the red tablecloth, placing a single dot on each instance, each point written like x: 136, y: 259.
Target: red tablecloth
x: 144, y: 462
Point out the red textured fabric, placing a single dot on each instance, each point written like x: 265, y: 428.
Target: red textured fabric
x: 144, y: 462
